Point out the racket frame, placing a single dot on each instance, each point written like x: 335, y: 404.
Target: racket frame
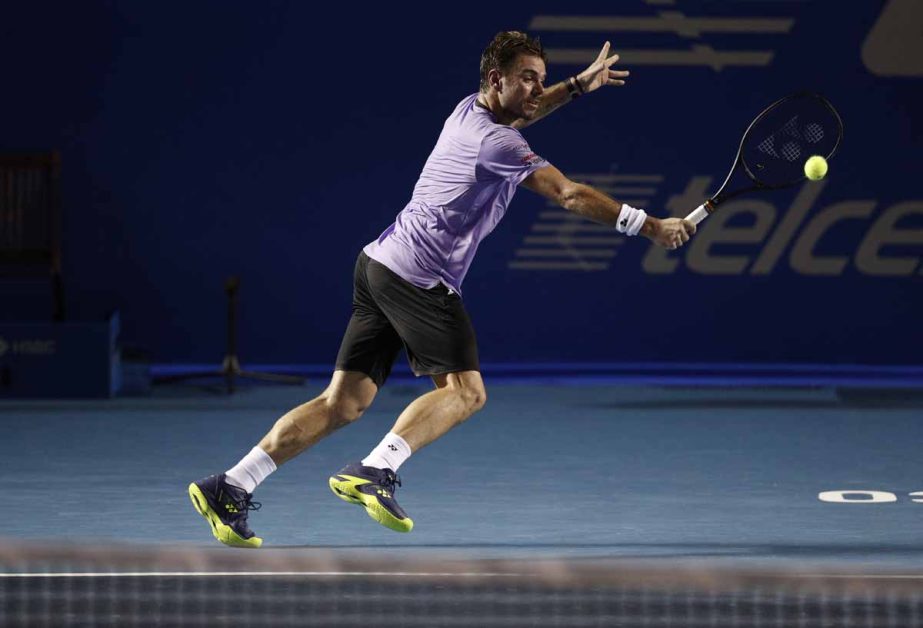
x: 711, y: 204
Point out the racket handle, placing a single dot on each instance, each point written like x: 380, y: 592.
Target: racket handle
x: 698, y: 215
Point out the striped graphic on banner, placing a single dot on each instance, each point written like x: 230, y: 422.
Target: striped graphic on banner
x: 561, y: 240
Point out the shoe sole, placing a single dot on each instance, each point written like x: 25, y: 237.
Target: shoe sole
x: 222, y: 531
x: 346, y: 490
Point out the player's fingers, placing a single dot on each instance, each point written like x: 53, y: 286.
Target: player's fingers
x: 618, y: 73
x: 689, y: 226
x: 604, y: 52
x: 614, y: 82
x: 612, y: 59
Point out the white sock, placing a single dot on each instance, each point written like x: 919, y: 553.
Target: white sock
x: 251, y: 470
x: 391, y: 453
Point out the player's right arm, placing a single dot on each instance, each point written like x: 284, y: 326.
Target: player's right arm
x: 597, y: 206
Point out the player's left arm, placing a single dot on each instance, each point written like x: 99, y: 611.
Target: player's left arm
x: 599, y: 73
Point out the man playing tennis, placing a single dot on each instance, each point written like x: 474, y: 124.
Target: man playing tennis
x: 407, y: 288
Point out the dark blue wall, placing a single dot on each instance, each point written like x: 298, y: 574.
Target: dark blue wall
x: 273, y: 140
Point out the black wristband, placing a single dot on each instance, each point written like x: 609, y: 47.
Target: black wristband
x: 579, y: 86
x: 573, y: 87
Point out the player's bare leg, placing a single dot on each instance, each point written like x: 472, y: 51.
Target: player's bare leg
x: 457, y: 397
x: 225, y: 499
x: 371, y: 483
x: 344, y: 401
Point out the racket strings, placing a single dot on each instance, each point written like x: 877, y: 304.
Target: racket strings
x: 793, y: 141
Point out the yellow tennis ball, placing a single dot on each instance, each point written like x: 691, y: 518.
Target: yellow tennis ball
x: 815, y: 168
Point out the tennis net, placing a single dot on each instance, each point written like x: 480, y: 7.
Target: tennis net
x: 149, y: 586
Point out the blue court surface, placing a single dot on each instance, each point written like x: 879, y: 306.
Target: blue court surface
x: 582, y: 472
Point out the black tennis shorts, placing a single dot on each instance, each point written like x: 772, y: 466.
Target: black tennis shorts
x: 390, y: 312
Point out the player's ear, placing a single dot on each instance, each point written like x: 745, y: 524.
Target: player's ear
x: 493, y: 79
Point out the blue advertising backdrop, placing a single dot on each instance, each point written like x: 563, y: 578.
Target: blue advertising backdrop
x: 273, y: 140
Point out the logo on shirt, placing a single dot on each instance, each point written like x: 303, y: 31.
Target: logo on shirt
x: 528, y: 157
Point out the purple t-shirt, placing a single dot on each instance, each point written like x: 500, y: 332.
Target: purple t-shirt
x: 462, y: 193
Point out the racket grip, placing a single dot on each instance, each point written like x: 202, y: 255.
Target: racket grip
x: 698, y: 215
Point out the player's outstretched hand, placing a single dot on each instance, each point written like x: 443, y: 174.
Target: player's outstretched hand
x: 599, y: 72
x: 672, y: 233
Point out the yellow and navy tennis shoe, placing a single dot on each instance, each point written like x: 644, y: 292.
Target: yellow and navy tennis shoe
x: 225, y: 507
x: 374, y: 489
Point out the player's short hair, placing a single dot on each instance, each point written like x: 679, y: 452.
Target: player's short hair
x: 502, y: 50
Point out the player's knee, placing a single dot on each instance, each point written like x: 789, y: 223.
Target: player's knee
x: 344, y: 409
x: 480, y: 399
x: 474, y: 397
x: 347, y: 396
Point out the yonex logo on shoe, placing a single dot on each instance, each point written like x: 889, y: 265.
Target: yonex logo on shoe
x: 392, y: 447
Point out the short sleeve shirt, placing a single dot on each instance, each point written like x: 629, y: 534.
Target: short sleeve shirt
x: 462, y: 193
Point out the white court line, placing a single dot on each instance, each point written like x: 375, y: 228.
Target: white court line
x: 385, y: 574
x: 205, y: 574
x: 864, y: 577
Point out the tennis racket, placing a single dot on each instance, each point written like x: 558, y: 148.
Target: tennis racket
x: 776, y: 145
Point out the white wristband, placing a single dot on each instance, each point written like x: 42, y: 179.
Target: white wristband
x: 630, y: 220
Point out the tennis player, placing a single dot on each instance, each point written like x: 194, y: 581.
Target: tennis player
x: 408, y: 287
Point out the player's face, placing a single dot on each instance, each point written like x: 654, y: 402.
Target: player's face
x: 523, y: 86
